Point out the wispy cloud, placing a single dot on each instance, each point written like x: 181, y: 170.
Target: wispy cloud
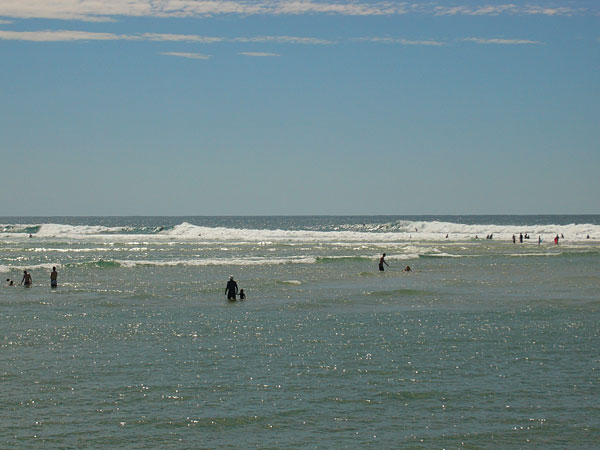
x: 400, y: 41
x: 259, y: 54
x: 285, y: 40
x: 74, y: 35
x: 486, y: 41
x: 495, y: 10
x: 187, y: 55
x: 61, y: 36
x: 108, y: 10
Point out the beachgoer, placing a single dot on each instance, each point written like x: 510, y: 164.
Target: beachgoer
x: 521, y: 238
x: 539, y: 240
x: 556, y: 240
x: 446, y: 236
x: 26, y: 281
x: 9, y: 282
x: 382, y: 262
x: 514, y: 239
x: 588, y: 236
x: 232, y: 289
x: 562, y: 236
x: 54, y: 278
x: 476, y: 237
x: 242, y: 295
x: 407, y: 269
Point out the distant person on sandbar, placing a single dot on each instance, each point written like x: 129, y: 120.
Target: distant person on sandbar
x: 54, y: 278
x: 556, y: 240
x: 232, y: 289
x: 26, y: 281
x: 514, y: 239
x: 242, y: 295
x: 521, y: 238
x: 382, y: 262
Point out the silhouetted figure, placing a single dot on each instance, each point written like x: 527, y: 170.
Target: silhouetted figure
x: 54, y: 278
x: 232, y: 289
x: 382, y: 262
x: 26, y: 281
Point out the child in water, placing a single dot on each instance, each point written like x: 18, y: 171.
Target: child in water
x: 242, y: 295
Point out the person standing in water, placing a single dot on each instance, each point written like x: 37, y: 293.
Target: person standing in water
x: 54, y: 278
x: 556, y: 240
x: 382, y: 262
x: 26, y: 281
x: 232, y: 289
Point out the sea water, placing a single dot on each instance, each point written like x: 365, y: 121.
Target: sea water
x: 484, y: 344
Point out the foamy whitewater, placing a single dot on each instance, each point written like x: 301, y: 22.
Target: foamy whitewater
x: 484, y: 343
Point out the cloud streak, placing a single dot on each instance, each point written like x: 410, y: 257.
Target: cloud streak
x: 187, y: 55
x: 74, y: 35
x: 400, y: 41
x: 258, y: 54
x: 496, y: 41
x: 108, y: 10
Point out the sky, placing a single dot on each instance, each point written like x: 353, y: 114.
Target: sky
x: 206, y: 107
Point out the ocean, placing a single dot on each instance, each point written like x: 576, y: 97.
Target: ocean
x: 485, y: 343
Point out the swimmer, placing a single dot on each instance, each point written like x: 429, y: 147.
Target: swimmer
x: 232, y: 289
x: 54, y: 278
x: 407, y: 269
x: 382, y: 262
x: 556, y: 240
x: 242, y: 295
x: 9, y: 282
x: 26, y: 281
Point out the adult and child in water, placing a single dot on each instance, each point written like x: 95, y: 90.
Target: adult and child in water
x: 231, y: 290
x: 382, y: 261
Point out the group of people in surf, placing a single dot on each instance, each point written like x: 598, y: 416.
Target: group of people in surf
x: 521, y: 238
x: 27, y: 280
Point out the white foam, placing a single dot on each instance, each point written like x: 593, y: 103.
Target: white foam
x: 253, y: 261
x: 372, y: 235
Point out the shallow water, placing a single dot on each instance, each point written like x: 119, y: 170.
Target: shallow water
x: 485, y: 344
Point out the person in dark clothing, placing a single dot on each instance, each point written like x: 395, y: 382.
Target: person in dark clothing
x: 242, y: 295
x: 232, y: 289
x: 382, y: 262
x: 26, y: 281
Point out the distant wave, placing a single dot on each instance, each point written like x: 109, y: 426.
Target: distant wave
x: 398, y: 231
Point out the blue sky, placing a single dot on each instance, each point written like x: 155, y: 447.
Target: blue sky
x: 144, y: 107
